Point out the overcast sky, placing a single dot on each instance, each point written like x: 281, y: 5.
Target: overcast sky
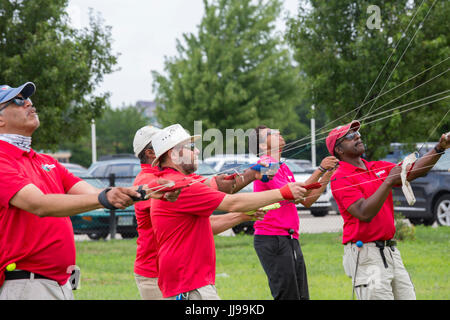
x: 144, y: 32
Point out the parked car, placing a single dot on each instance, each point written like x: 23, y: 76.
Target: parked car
x: 228, y: 163
x: 323, y: 204
x: 125, y: 170
x: 398, y: 151
x: 96, y: 223
x: 205, y: 170
x: 432, y: 193
x: 75, y: 168
x: 306, y: 164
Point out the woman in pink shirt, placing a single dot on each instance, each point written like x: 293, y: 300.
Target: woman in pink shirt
x: 276, y: 236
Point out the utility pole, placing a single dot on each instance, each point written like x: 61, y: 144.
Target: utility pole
x: 94, y: 142
x: 313, y: 138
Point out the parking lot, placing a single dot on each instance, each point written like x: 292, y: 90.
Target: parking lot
x: 332, y: 222
x: 308, y: 224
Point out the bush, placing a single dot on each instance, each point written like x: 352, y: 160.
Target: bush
x: 404, y: 230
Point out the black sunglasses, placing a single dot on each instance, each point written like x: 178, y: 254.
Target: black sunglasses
x: 18, y: 101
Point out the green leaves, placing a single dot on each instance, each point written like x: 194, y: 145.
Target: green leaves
x: 37, y: 44
x: 234, y: 73
x: 341, y: 59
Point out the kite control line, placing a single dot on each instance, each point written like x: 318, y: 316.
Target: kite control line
x: 169, y: 187
x: 359, y: 244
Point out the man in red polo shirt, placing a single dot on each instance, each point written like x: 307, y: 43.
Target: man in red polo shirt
x: 37, y: 248
x: 186, y: 253
x: 363, y: 193
x: 146, y: 267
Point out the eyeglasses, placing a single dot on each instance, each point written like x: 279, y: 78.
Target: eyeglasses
x: 18, y: 101
x: 349, y: 137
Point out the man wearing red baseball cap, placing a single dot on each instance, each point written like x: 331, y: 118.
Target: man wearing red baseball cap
x: 363, y: 192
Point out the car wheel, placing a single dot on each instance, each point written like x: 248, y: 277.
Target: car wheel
x: 237, y: 229
x: 250, y: 230
x: 97, y: 235
x: 442, y: 210
x: 416, y: 221
x: 129, y: 235
x: 319, y: 213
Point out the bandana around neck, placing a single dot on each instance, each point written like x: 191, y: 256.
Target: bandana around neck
x: 21, y: 142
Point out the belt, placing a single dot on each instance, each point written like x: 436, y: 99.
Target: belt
x: 381, y: 244
x: 22, y: 274
x: 385, y: 243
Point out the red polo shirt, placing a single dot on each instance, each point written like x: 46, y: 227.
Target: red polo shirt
x: 147, y: 251
x: 146, y: 263
x: 186, y: 256
x: 350, y: 184
x: 41, y: 245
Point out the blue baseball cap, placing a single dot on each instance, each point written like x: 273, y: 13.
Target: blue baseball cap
x: 7, y: 93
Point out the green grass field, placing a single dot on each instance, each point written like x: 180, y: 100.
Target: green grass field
x: 107, y: 267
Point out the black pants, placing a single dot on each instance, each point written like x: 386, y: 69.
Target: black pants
x: 285, y: 272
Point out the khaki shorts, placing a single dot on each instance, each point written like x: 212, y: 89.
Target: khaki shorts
x: 35, y: 289
x: 373, y: 280
x: 208, y: 292
x: 148, y: 288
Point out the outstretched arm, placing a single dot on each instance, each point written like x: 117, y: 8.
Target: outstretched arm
x: 426, y: 162
x: 223, y: 222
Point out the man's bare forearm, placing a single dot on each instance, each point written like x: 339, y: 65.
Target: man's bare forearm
x: 223, y: 222
x: 366, y: 209
x: 243, y: 202
x: 424, y: 164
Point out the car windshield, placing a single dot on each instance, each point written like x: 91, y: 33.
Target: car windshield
x: 444, y: 162
x: 204, y: 169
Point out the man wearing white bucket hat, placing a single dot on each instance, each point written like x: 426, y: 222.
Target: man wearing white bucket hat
x: 145, y: 267
x: 186, y: 255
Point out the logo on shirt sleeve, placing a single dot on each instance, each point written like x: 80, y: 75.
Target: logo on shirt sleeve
x: 48, y: 167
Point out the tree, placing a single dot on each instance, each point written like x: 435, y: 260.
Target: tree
x: 340, y: 58
x: 235, y: 73
x: 115, y: 132
x: 37, y: 44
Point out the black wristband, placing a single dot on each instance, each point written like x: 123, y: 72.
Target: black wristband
x: 104, y: 200
x: 322, y: 169
x: 438, y: 150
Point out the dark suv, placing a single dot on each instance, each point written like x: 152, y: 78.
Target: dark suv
x: 432, y: 194
x: 125, y: 170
